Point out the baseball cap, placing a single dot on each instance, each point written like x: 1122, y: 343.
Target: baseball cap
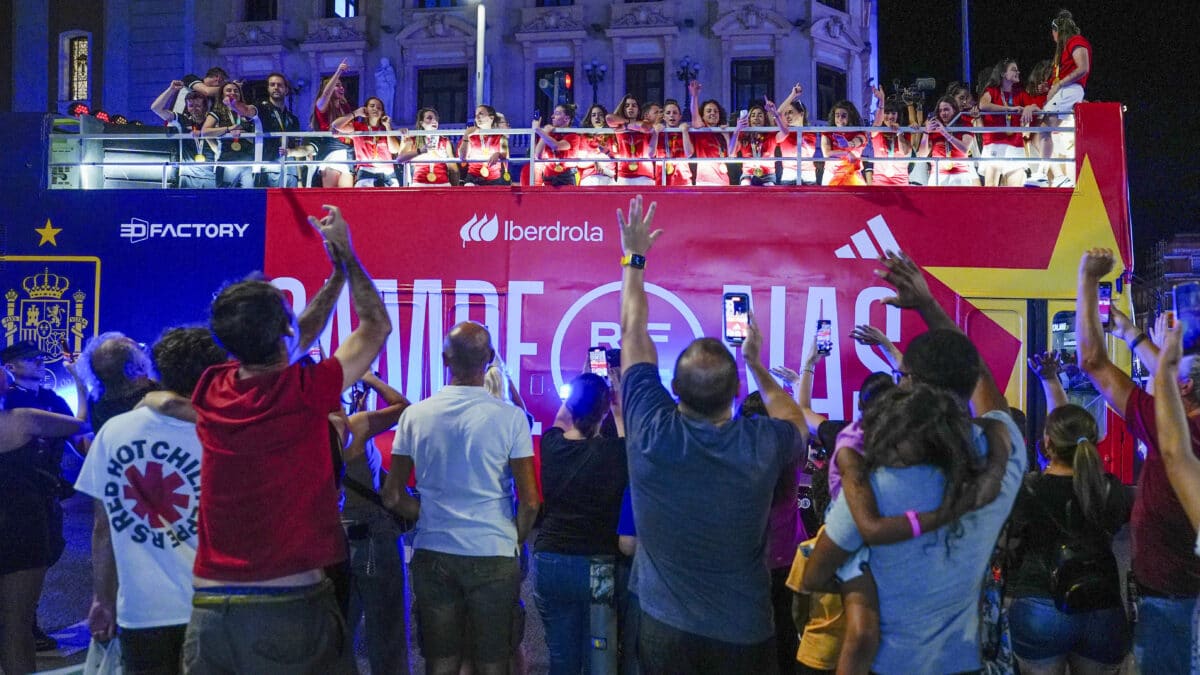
x: 25, y: 349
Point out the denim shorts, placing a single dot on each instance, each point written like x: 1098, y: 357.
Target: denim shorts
x: 457, y: 596
x: 1040, y: 631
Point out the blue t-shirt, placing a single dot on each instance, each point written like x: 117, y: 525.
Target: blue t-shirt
x: 928, y: 596
x: 701, y: 494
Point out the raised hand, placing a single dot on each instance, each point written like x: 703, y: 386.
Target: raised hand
x: 786, y: 374
x: 1045, y: 365
x: 1121, y: 326
x: 1172, y: 347
x: 694, y: 88
x: 176, y: 84
x: 1096, y: 263
x: 752, y: 347
x: 636, y: 235
x: 900, y: 271
x: 880, y: 95
x: 869, y: 335
x: 334, y: 231
x: 797, y: 90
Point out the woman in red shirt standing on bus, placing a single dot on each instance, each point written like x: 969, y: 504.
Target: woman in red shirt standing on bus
x: 792, y: 113
x: 596, y: 145
x: 756, y: 145
x: 843, y: 150
x: 487, y: 150
x: 557, y: 147
x: 711, y: 142
x: 440, y: 174
x: 375, y: 153
x: 890, y: 144
x: 1003, y: 93
x: 634, y: 140
x: 940, y: 142
x: 335, y: 150
x: 1072, y: 66
x: 676, y: 144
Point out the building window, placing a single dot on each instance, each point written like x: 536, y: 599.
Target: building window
x: 343, y: 9
x: 839, y: 5
x: 78, y: 53
x: 261, y: 10
x: 550, y: 82
x: 831, y: 88
x: 555, y: 3
x: 645, y: 82
x: 444, y: 90
x: 430, y: 4
x: 751, y: 80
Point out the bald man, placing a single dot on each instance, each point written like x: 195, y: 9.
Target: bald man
x: 468, y: 449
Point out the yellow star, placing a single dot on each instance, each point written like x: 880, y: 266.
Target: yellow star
x: 48, y: 232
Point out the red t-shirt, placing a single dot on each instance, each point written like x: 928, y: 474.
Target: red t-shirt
x: 269, y: 507
x: 1016, y: 97
x: 434, y: 174
x: 710, y: 144
x: 371, y: 149
x: 590, y: 146
x: 324, y: 121
x: 1066, y: 64
x: 808, y: 148
x: 560, y: 167
x: 757, y: 145
x: 940, y: 147
x: 480, y: 146
x: 678, y: 173
x: 887, y: 144
x: 634, y: 144
x: 1163, y: 537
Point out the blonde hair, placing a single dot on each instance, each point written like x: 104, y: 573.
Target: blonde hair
x: 1073, y: 434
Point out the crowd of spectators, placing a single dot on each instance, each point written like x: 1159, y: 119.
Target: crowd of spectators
x: 648, y: 142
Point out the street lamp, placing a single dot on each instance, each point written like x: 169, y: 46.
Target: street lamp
x: 595, y: 72
x: 480, y: 27
x: 688, y: 70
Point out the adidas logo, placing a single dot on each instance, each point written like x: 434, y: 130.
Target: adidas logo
x: 480, y: 229
x: 862, y: 246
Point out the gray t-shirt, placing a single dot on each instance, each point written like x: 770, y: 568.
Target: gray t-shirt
x: 928, y: 593
x: 701, y: 495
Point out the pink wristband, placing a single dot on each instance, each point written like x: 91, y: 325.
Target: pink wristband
x: 915, y: 522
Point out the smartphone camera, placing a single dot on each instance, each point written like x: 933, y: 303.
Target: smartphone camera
x: 737, y: 317
x: 598, y: 361
x: 1187, y: 310
x: 824, y: 337
x: 1104, y: 293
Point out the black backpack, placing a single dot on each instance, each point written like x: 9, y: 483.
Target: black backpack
x: 1083, y: 570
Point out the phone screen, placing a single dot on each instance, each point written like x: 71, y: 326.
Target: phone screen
x: 840, y: 141
x: 824, y: 336
x: 737, y: 317
x: 1187, y: 309
x: 1105, y: 295
x: 598, y: 361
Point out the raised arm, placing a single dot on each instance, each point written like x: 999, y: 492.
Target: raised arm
x: 1123, y: 328
x: 694, y: 90
x: 636, y: 240
x: 345, y: 123
x: 359, y: 349
x: 1046, y: 367
x: 779, y: 404
x: 393, y: 141
x: 162, y: 105
x: 544, y: 138
x: 330, y: 86
x: 1171, y: 421
x: 880, y: 100
x: 804, y: 387
x: 1113, y: 384
x: 869, y: 335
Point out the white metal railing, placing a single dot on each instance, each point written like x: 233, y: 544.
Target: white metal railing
x: 94, y: 143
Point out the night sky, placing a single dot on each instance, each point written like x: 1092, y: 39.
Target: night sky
x: 1144, y: 54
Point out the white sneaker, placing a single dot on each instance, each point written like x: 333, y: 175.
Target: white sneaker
x: 1064, y: 182
x: 1037, y: 180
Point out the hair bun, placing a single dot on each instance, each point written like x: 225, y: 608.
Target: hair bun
x: 1065, y: 14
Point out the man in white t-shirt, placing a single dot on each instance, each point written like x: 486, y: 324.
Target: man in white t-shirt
x: 468, y: 450
x: 144, y: 471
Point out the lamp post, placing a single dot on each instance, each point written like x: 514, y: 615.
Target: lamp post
x: 595, y: 72
x: 480, y: 27
x: 688, y: 70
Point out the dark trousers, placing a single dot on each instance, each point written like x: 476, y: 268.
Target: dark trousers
x: 152, y: 651
x: 665, y: 650
x: 787, y: 641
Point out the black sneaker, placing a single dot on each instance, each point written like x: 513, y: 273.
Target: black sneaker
x: 43, y: 642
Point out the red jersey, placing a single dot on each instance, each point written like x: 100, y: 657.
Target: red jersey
x: 807, y: 148
x: 633, y: 144
x: 710, y: 144
x: 557, y: 168
x: 481, y: 147
x: 1016, y: 97
x: 434, y: 174
x: 269, y: 507
x: 940, y: 147
x: 1066, y: 64
x: 375, y: 150
x: 324, y: 121
x: 845, y: 168
x: 678, y: 173
x: 594, y: 146
x: 755, y: 145
x: 887, y: 144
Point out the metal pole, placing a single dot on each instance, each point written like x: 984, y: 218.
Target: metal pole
x: 966, y: 44
x: 479, y: 29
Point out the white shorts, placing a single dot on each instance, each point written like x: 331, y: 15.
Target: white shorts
x: 965, y: 179
x: 1004, y: 151
x: 635, y: 180
x: 597, y: 179
x: 1064, y: 138
x: 1065, y: 99
x: 342, y: 159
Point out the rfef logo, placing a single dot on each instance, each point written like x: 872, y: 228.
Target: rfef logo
x: 483, y: 228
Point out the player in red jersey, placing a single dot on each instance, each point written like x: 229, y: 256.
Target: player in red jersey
x: 1003, y: 93
x: 1072, y: 66
x: 892, y: 144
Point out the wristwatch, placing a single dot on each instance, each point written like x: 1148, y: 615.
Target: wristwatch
x: 635, y: 260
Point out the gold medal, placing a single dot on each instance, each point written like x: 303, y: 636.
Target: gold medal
x: 507, y: 178
x: 235, y: 145
x: 431, y: 176
x: 633, y: 166
x: 670, y: 169
x: 484, y: 172
x: 199, y: 157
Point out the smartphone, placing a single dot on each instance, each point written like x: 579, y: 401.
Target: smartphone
x: 614, y: 358
x: 840, y: 141
x: 65, y: 347
x: 598, y: 361
x: 1105, y: 295
x: 737, y: 317
x: 1187, y: 309
x: 824, y: 337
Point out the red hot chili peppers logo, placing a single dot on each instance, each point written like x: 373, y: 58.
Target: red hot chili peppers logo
x: 154, y: 492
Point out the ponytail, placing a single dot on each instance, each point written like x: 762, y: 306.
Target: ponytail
x: 1090, y: 487
x: 1066, y: 27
